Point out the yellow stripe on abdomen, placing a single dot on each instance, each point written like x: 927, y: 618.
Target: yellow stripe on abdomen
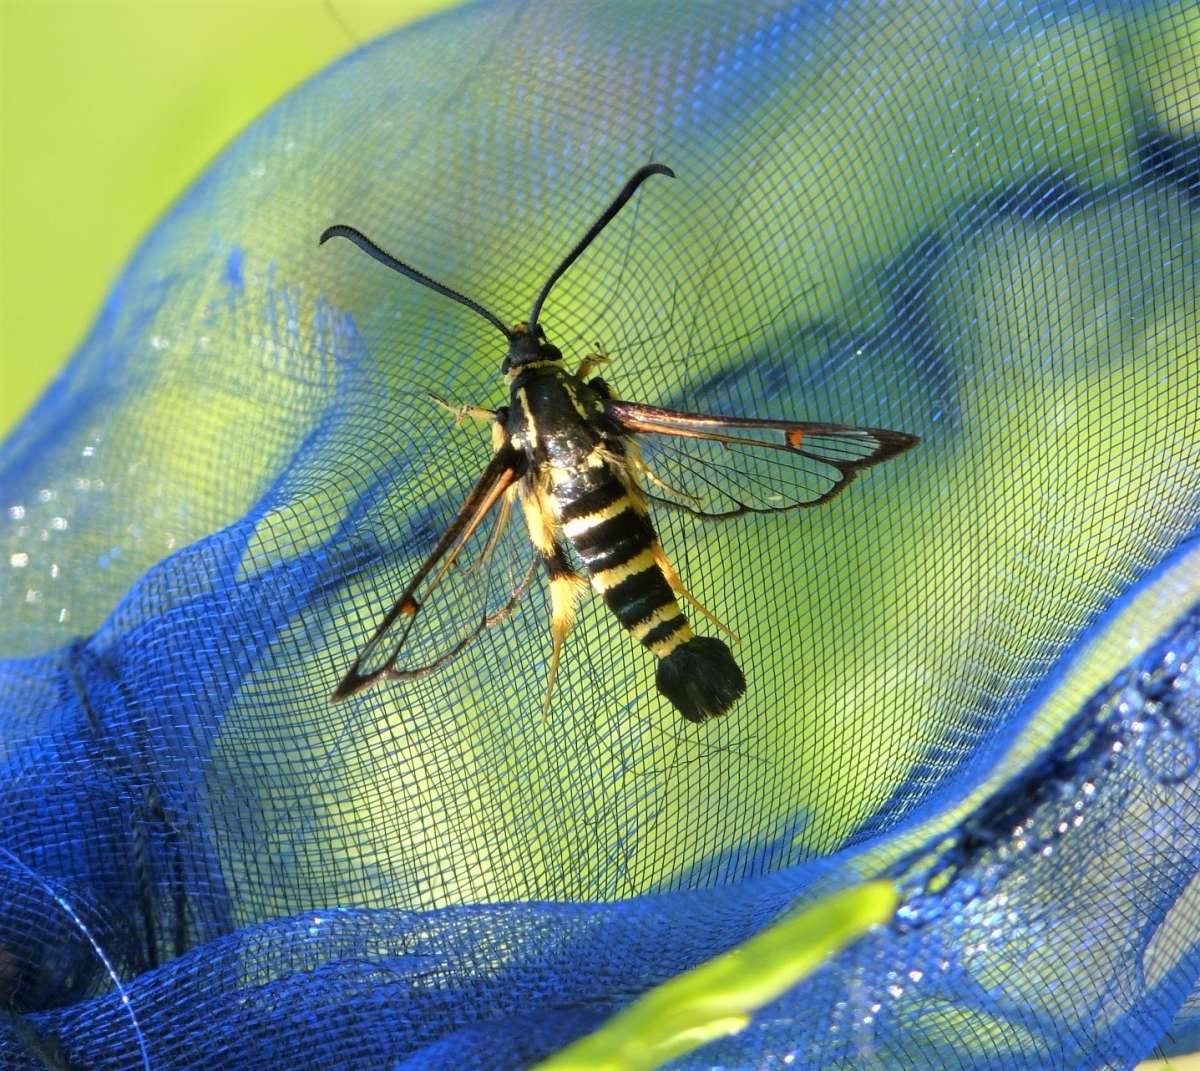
x: 607, y: 579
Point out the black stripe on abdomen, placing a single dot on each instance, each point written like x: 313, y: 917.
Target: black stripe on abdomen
x: 638, y: 595
x: 614, y: 541
x: 663, y: 631
x: 593, y: 501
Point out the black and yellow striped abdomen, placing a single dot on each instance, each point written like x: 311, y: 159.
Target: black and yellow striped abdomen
x: 618, y: 546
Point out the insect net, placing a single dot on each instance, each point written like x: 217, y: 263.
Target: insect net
x: 973, y: 673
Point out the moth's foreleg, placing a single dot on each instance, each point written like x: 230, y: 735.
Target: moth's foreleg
x: 596, y: 359
x: 462, y: 412
x: 672, y: 578
x: 566, y: 588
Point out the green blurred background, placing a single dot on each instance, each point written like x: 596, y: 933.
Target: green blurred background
x: 108, y: 109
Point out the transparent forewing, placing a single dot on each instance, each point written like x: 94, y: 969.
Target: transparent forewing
x: 716, y: 467
x: 473, y: 578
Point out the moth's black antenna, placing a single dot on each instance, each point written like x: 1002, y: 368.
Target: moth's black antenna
x: 372, y: 250
x: 639, y: 176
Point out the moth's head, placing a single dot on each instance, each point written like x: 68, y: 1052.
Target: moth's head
x: 527, y: 345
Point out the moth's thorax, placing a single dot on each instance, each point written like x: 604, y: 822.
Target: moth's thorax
x: 554, y: 416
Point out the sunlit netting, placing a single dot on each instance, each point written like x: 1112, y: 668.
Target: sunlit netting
x: 974, y: 672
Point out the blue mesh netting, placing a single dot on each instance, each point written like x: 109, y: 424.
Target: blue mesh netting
x: 975, y: 671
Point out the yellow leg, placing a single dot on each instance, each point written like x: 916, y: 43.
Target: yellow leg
x: 592, y: 361
x: 644, y: 470
x: 668, y: 570
x: 566, y: 586
x: 461, y: 412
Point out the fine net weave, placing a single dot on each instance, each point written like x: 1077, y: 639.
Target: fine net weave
x: 974, y: 672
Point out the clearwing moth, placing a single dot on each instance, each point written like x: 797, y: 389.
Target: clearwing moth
x: 567, y: 449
